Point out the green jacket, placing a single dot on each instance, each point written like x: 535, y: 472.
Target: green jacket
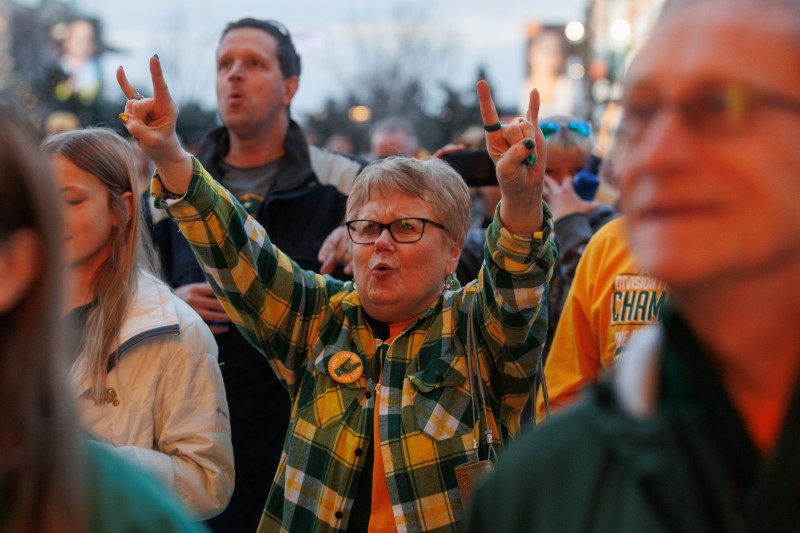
x: 670, y: 458
x: 119, y: 497
x: 301, y: 320
x: 123, y: 499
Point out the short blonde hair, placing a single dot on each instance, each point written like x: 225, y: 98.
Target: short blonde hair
x: 432, y: 180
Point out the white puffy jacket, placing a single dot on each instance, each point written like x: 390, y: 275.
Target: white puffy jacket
x: 166, y: 409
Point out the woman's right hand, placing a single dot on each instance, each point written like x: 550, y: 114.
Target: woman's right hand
x: 563, y: 200
x: 336, y: 251
x: 201, y: 298
x: 151, y: 121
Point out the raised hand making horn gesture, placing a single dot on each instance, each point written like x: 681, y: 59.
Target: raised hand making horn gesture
x: 151, y: 121
x: 519, y: 154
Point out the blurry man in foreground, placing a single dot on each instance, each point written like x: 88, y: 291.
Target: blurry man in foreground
x: 698, y: 429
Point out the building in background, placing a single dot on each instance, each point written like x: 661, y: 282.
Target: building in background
x: 79, y: 60
x: 578, y: 66
x: 617, y: 29
x: 549, y: 66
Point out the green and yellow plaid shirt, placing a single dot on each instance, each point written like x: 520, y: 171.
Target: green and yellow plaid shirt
x: 300, y: 319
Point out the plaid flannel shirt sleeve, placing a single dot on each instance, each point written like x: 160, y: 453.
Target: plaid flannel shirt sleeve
x: 276, y: 305
x: 511, y: 296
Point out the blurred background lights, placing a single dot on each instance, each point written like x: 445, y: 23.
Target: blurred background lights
x: 620, y: 30
x: 359, y: 113
x: 576, y: 71
x: 574, y: 31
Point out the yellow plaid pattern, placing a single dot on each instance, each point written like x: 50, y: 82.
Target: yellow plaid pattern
x: 299, y: 320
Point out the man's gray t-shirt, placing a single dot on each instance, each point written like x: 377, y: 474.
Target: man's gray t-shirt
x: 249, y: 185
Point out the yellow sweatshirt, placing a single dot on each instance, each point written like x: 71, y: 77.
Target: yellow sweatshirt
x: 610, y: 302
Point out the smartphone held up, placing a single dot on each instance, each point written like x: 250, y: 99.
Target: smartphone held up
x: 477, y: 169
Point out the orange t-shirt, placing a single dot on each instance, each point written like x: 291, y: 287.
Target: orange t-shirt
x: 381, y: 516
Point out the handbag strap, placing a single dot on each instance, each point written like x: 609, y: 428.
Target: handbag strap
x: 540, y: 382
x: 475, y: 378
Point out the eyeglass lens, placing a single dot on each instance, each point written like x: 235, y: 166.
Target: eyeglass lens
x: 403, y: 230
x: 710, y: 109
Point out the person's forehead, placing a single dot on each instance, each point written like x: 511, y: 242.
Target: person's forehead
x: 387, y: 202
x: 570, y: 157
x: 392, y: 137
x: 68, y: 173
x: 254, y: 39
x: 719, y: 40
x: 391, y: 134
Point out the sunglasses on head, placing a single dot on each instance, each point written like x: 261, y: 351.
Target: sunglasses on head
x: 579, y: 127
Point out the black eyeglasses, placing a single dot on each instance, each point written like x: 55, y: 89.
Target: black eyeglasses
x: 579, y: 127
x: 711, y: 109
x: 402, y: 230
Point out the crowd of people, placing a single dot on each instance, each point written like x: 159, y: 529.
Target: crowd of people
x: 280, y: 337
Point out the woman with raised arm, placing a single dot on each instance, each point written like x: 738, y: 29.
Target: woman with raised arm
x: 144, y: 367
x: 396, y: 376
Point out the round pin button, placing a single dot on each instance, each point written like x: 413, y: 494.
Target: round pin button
x: 345, y: 367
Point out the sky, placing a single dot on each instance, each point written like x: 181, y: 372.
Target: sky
x: 184, y: 33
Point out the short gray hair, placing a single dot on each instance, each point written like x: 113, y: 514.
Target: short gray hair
x: 432, y: 180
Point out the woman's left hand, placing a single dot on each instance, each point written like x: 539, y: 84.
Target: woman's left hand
x: 520, y: 156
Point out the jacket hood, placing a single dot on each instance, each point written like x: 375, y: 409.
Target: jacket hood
x: 152, y: 312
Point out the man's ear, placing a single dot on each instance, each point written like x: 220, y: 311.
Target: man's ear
x: 20, y: 262
x: 290, y: 86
